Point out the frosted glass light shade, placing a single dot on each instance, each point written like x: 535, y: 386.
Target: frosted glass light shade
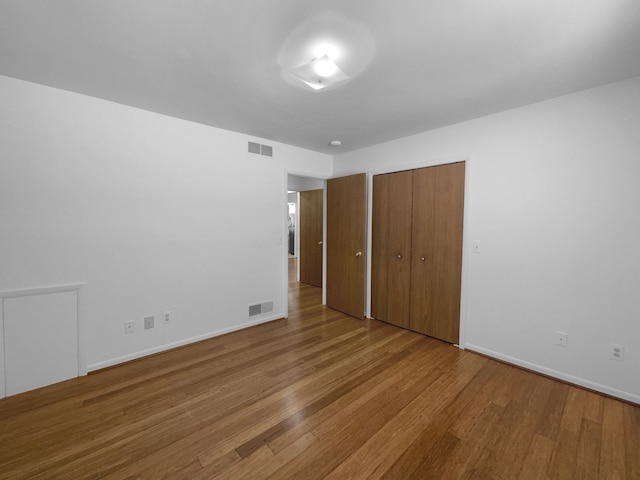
x: 347, y: 44
x: 324, y: 67
x: 320, y: 73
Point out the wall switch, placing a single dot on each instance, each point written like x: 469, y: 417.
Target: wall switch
x: 148, y: 322
x: 617, y: 352
x: 167, y: 317
x: 129, y: 327
x: 476, y: 246
x: 562, y: 338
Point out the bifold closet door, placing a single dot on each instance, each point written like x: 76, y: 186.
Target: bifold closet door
x: 346, y: 234
x: 391, y: 247
x: 310, y: 218
x: 436, y: 271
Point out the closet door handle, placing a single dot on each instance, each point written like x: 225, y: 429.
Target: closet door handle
x: 422, y: 258
x: 358, y: 254
x: 320, y: 242
x: 399, y: 256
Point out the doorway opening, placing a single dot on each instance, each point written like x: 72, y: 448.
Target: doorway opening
x: 305, y: 224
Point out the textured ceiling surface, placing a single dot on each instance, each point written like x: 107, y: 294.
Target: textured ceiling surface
x: 428, y: 63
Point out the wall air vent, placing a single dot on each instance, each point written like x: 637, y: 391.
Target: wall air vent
x: 254, y: 148
x: 260, y: 308
x: 266, y: 150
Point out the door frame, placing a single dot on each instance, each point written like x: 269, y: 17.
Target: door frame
x: 466, y: 234
x: 285, y: 230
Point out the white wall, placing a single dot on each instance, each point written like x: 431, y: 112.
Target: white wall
x: 145, y: 209
x: 555, y: 192
x: 137, y: 205
x: 302, y: 184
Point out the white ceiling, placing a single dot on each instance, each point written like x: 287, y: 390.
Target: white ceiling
x: 434, y: 62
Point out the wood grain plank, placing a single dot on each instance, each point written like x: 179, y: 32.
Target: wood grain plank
x: 318, y: 395
x: 631, y: 418
x: 537, y: 460
x: 588, y: 450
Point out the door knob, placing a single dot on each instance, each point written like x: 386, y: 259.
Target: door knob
x: 320, y: 242
x: 399, y: 256
x: 358, y: 254
x: 422, y: 258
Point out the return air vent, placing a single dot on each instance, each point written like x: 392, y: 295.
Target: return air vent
x: 254, y: 148
x: 266, y: 150
x: 260, y: 308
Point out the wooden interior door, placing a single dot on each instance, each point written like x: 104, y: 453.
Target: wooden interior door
x: 391, y: 247
x: 310, y: 218
x: 436, y: 271
x: 346, y: 220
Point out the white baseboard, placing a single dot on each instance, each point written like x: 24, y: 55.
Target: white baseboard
x: 614, y: 392
x: 162, y: 348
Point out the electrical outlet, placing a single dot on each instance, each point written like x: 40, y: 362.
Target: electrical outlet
x: 148, y: 322
x: 167, y: 317
x: 562, y: 338
x: 129, y: 327
x: 617, y: 352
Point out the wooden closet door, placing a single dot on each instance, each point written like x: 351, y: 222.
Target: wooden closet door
x: 310, y: 217
x: 346, y: 219
x: 391, y: 247
x: 436, y: 271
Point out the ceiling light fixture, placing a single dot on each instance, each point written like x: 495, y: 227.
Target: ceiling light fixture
x: 320, y: 73
x: 324, y: 51
x: 324, y: 66
x: 327, y: 49
x: 335, y: 143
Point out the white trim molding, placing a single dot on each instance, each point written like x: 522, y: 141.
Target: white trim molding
x: 170, y: 346
x: 581, y: 382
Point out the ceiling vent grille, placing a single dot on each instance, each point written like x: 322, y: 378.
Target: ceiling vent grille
x: 260, y: 308
x: 266, y: 150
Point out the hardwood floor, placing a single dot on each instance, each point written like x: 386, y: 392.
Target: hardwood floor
x: 320, y: 395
